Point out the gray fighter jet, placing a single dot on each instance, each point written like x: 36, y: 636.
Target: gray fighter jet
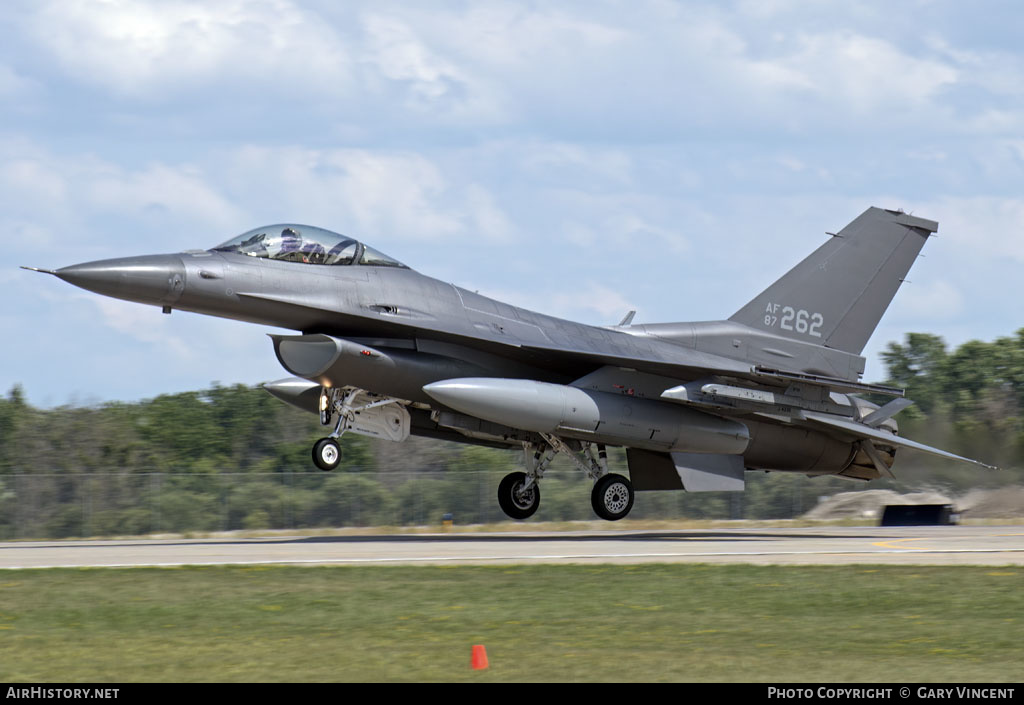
x: 385, y: 351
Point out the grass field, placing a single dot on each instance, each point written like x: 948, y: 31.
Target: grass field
x: 539, y: 623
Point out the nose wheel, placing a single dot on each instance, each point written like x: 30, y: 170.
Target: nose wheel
x: 326, y: 454
x: 612, y: 497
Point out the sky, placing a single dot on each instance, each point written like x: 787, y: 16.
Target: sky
x: 581, y: 159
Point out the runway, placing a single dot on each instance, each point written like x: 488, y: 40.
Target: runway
x: 943, y: 545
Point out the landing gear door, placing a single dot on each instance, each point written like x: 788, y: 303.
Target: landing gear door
x: 390, y: 422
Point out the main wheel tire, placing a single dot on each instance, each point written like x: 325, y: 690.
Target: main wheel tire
x: 513, y: 501
x: 326, y: 454
x: 612, y: 497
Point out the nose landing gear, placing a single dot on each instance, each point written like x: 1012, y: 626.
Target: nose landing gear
x: 326, y: 454
x: 361, y: 412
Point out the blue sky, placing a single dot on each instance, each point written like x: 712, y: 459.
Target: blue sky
x: 577, y: 158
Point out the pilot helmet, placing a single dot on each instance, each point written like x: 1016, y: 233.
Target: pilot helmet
x: 290, y: 240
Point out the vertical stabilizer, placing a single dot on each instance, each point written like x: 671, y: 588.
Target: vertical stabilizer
x: 837, y: 295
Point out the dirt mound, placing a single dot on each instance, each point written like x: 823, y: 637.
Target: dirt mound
x: 1003, y: 503
x: 868, y: 504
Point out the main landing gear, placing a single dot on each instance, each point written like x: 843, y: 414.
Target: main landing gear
x: 517, y: 498
x: 519, y: 492
x: 612, y: 497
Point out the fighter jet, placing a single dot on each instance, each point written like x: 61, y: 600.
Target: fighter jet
x: 385, y: 351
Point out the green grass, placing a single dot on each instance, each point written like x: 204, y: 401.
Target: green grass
x: 549, y: 623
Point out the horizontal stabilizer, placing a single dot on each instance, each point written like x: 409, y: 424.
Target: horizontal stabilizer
x: 693, y: 472
x: 708, y: 472
x: 859, y: 430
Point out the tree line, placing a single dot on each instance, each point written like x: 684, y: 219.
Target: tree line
x: 232, y: 457
x: 969, y: 400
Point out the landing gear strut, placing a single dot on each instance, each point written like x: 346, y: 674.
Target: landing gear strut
x: 360, y: 412
x: 326, y: 451
x: 612, y: 496
x: 519, y: 493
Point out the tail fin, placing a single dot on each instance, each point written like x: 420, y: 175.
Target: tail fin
x: 837, y: 296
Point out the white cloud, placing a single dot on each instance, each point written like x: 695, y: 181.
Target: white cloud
x: 482, y: 64
x: 607, y: 303
x: 371, y: 194
x: 368, y: 194
x: 999, y: 72
x: 625, y: 221
x: 186, y: 341
x: 47, y: 198
x: 660, y: 67
x: 579, y: 234
x: 514, y: 37
x: 580, y: 160
x: 545, y: 157
x: 981, y: 228
x: 142, y: 323
x: 397, y: 54
x: 486, y: 219
x: 392, y: 192
x: 864, y: 75
x: 147, y: 49
x: 177, y: 189
x: 792, y: 163
x: 927, y: 303
x: 33, y: 179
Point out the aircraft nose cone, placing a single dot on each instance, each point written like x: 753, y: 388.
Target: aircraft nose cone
x: 151, y: 279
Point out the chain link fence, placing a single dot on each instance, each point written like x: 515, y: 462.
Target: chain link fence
x: 42, y: 506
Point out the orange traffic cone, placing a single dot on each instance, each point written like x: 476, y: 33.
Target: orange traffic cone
x: 479, y: 657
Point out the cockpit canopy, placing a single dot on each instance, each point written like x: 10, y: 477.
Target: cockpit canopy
x: 304, y: 243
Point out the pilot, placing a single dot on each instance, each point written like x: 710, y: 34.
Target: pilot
x: 291, y: 241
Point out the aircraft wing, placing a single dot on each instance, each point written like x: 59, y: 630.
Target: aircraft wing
x: 823, y: 413
x: 682, y: 363
x: 864, y: 432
